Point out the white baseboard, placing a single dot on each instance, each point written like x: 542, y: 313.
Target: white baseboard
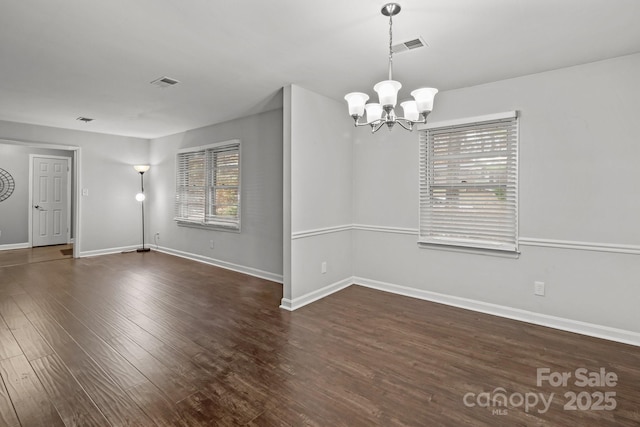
x: 590, y: 329
x: 296, y: 303
x: 108, y: 251
x: 223, y: 264
x: 12, y: 246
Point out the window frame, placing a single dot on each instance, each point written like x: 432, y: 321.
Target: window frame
x: 427, y: 237
x: 221, y: 224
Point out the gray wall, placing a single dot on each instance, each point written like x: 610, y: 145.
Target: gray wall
x: 257, y: 249
x: 579, y: 180
x: 319, y: 194
x: 14, y: 211
x: 110, y: 215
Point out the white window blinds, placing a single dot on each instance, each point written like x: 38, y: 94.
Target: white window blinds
x: 469, y: 183
x: 208, y: 186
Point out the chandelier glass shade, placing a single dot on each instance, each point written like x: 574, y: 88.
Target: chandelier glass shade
x: 383, y: 112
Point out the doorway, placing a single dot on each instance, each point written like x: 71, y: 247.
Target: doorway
x: 16, y: 224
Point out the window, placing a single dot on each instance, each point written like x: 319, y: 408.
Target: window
x: 208, y: 186
x: 469, y: 183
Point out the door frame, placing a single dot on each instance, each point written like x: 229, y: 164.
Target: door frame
x: 76, y: 186
x: 32, y: 157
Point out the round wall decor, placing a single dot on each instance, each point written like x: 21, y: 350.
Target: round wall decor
x: 7, y: 185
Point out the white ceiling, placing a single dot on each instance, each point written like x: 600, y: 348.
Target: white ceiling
x: 63, y: 59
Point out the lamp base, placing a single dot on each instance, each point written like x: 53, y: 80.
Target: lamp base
x: 143, y: 250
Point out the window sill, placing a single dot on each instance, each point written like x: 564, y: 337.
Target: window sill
x: 513, y: 254
x: 233, y: 228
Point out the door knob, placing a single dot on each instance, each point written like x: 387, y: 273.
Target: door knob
x: 37, y: 206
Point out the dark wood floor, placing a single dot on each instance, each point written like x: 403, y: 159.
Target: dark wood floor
x: 38, y: 254
x: 150, y: 339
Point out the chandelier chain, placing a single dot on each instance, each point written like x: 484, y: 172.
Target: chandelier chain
x: 390, y: 47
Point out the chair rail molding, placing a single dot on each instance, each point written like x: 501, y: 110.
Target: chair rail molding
x: 582, y: 246
x: 320, y: 231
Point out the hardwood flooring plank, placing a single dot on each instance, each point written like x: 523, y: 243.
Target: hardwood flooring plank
x: 151, y: 399
x: 170, y: 385
x: 29, y: 340
x: 239, y: 398
x: 99, y: 384
x: 176, y: 361
x: 169, y: 324
x: 8, y: 416
x: 113, y: 402
x: 173, y: 327
x: 29, y: 399
x: 246, y: 401
x: 200, y: 410
x: 99, y: 327
x: 171, y: 356
x: 196, y: 410
x: 105, y: 295
x: 222, y: 387
x: 73, y: 404
x: 167, y: 334
x: 9, y: 285
x: 183, y: 302
x: 8, y: 345
x: 120, y: 370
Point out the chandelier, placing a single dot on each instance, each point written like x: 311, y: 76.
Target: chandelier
x: 381, y: 113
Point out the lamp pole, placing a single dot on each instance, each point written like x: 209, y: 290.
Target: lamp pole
x: 140, y: 197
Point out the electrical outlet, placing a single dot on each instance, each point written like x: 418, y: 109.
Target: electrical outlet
x: 538, y: 288
x: 323, y: 267
x: 211, y: 244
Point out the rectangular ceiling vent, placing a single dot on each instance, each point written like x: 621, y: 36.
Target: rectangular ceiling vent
x: 409, y: 45
x: 165, y: 82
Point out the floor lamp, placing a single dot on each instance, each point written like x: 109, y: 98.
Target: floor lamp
x: 140, y: 197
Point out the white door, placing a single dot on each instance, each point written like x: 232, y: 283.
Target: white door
x: 50, y: 201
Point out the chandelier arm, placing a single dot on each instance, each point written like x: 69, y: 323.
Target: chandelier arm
x: 401, y: 121
x: 372, y: 123
x: 376, y: 128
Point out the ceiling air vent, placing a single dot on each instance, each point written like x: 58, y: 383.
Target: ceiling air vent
x: 409, y: 45
x: 165, y: 82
